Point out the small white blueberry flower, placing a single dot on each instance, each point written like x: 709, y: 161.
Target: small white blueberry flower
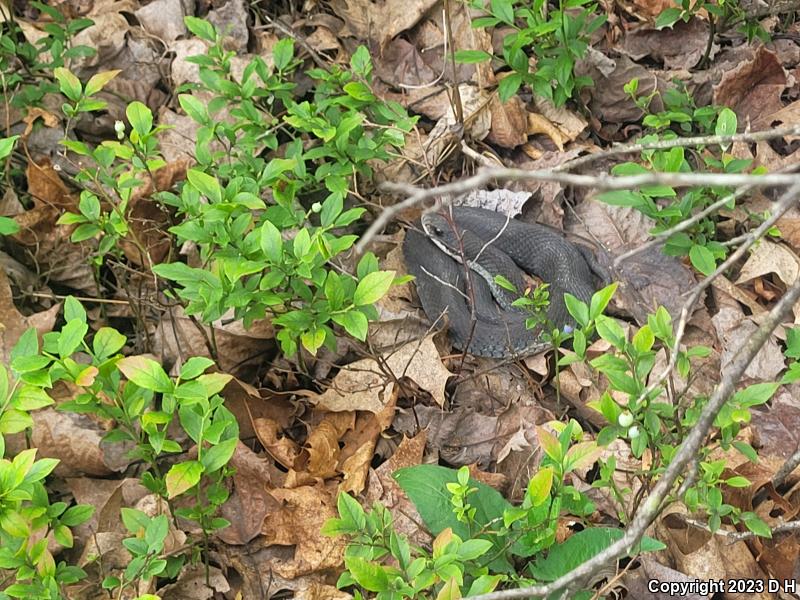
x: 316, y: 207
x: 633, y: 432
x: 119, y: 127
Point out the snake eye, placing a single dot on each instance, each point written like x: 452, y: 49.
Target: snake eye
x: 438, y: 231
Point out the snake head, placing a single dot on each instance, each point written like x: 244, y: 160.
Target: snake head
x: 436, y: 226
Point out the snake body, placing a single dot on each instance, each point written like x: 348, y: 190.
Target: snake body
x: 487, y: 243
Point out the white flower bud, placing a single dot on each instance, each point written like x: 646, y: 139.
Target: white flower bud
x: 625, y: 419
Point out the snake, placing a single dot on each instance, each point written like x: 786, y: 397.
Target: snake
x: 454, y: 256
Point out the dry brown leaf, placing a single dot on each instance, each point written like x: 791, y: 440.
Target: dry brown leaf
x: 537, y: 123
x: 359, y: 447
x: 163, y: 18
x: 13, y: 324
x: 508, y: 122
x: 679, y: 46
x: 648, y: 279
x: 283, y: 450
x: 362, y: 385
x: 194, y: 583
x: 381, y: 20
x: 323, y: 443
x: 769, y: 257
x: 298, y: 523
x: 733, y: 330
x: 753, y: 89
x: 177, y: 338
x: 250, y: 501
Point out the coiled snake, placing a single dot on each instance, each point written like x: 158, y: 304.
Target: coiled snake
x: 492, y: 244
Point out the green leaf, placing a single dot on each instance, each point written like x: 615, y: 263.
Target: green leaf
x: 509, y: 86
x: 7, y: 145
x: 738, y: 482
x: 8, y: 226
x: 371, y: 576
x: 182, y: 477
x: 426, y: 486
x: 757, y: 526
x: 726, y: 123
x: 68, y: 83
x: 350, y: 512
x: 354, y: 322
x: 141, y: 118
x: 146, y: 373
x: 84, y: 232
x: 73, y: 310
x: 99, y: 80
x: 359, y: 91
x: 578, y: 309
x: 702, y: 259
x: 754, y: 395
x: 540, y: 485
x: 472, y: 56
x: 89, y: 205
x: 578, y: 549
x: 207, y: 185
x: 194, y: 367
x: 194, y: 108
x: 282, y: 53
x: 600, y: 300
x: 106, y: 342
x: 216, y: 457
x: 668, y: 17
x: 373, y: 287
x: 70, y: 338
x: 201, y: 28
x: 271, y: 242
x: 472, y: 549
x: 503, y: 10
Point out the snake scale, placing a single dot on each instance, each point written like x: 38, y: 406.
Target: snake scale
x: 504, y: 246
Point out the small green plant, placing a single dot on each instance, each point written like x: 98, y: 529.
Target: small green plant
x: 723, y: 15
x: 265, y: 239
x: 27, y: 67
x: 662, y: 203
x: 481, y: 540
x: 556, y: 38
x: 7, y: 225
x: 145, y: 547
x: 647, y: 422
x: 143, y: 406
x: 29, y: 522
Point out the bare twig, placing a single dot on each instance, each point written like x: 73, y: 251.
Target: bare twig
x: 603, y: 181
x: 685, y: 453
x: 705, y: 140
x: 738, y: 536
x: 786, y: 469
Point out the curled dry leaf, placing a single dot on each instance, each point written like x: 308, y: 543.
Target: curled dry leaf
x: 364, y: 385
x: 323, y: 443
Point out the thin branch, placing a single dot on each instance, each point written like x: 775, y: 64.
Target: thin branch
x: 786, y: 469
x: 685, y: 453
x: 705, y: 140
x: 738, y: 536
x: 606, y: 182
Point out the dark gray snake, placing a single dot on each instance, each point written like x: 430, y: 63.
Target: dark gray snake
x: 492, y: 244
